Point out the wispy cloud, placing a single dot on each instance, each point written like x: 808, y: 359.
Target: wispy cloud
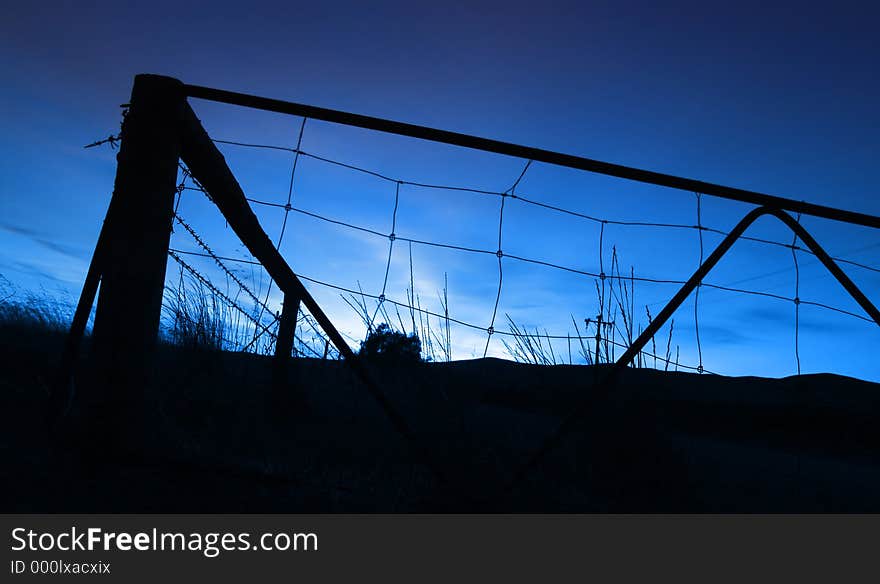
x: 724, y: 335
x: 783, y: 316
x: 35, y: 272
x: 42, y: 240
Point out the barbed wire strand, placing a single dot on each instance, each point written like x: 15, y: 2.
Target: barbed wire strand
x: 217, y: 292
x: 210, y: 253
x: 258, y: 321
x: 264, y: 328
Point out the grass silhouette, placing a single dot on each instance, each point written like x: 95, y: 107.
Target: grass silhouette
x: 222, y: 439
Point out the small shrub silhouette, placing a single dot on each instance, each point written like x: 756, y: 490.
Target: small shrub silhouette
x: 388, y: 344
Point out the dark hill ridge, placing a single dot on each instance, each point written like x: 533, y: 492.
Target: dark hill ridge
x: 221, y: 440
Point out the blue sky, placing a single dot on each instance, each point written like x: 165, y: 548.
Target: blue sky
x: 775, y: 97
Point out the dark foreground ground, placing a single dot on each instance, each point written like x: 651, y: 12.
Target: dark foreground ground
x: 217, y: 441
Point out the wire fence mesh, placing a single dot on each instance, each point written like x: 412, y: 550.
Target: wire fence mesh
x: 248, y: 291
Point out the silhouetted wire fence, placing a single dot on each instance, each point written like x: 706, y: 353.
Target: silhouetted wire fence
x: 138, y: 179
x: 260, y: 328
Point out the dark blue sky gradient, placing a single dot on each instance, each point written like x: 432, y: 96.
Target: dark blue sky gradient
x: 776, y: 97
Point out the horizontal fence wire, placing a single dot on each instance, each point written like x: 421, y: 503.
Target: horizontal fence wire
x: 536, y: 203
x: 548, y: 264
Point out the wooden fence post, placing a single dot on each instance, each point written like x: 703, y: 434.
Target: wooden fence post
x: 134, y: 255
x: 287, y: 327
x: 284, y: 344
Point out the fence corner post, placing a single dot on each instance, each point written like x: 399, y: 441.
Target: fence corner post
x: 134, y: 258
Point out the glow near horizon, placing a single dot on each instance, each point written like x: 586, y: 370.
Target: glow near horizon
x: 788, y: 113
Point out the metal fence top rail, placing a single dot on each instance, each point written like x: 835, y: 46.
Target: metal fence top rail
x: 530, y: 153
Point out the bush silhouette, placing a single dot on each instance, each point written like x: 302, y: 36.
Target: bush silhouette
x: 386, y: 343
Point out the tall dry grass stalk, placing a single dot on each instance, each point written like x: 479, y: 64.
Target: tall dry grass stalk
x: 195, y: 316
x: 436, y: 339
x: 612, y: 330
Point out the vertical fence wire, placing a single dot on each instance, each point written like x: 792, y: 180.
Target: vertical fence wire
x: 699, y: 285
x: 287, y: 206
x: 391, y: 237
x: 797, y: 299
x: 511, y: 192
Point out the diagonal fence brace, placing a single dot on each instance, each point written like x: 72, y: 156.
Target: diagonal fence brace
x: 604, y: 387
x: 208, y: 167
